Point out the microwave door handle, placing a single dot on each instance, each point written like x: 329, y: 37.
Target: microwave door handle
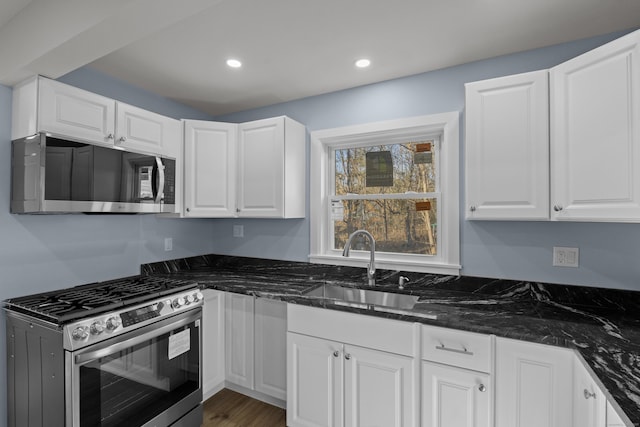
x: 159, y: 190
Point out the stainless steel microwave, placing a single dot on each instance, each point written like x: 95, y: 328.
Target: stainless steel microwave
x: 56, y: 175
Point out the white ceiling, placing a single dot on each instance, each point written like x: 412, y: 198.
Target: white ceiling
x: 290, y: 48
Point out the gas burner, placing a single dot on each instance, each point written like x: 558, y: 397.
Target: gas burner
x: 81, y: 301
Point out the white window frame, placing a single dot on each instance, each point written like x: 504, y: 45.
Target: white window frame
x: 446, y: 125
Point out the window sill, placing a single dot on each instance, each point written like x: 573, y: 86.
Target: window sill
x: 381, y: 263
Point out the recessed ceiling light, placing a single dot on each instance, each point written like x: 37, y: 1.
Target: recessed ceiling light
x: 234, y: 63
x: 363, y: 63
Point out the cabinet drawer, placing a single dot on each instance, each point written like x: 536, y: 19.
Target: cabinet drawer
x: 457, y: 348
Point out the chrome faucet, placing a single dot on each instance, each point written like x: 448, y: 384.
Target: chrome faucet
x: 371, y: 268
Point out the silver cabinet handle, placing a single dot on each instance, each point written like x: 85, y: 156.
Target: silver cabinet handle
x: 347, y: 356
x: 472, y: 208
x: 188, y: 209
x: 557, y: 208
x: 123, y: 139
x: 455, y: 350
x: 336, y: 353
x: 482, y: 388
x: 588, y: 395
x: 110, y: 136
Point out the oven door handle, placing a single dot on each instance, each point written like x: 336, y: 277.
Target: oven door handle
x: 140, y: 336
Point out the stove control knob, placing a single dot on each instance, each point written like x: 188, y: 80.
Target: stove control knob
x: 80, y: 333
x: 178, y: 302
x: 198, y: 296
x: 113, y: 323
x: 190, y: 299
x: 97, y: 327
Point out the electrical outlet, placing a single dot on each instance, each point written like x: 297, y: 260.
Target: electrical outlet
x: 168, y: 244
x: 238, y: 231
x: 565, y: 257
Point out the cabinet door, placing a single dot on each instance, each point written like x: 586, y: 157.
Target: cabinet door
x: 613, y: 419
x: 147, y: 132
x: 239, y: 339
x: 270, y: 347
x: 533, y: 385
x: 261, y: 168
x: 454, y: 397
x: 212, y: 342
x: 314, y: 382
x: 378, y: 388
x: 589, y: 403
x: 507, y: 147
x: 595, y: 134
x: 209, y: 169
x: 73, y: 112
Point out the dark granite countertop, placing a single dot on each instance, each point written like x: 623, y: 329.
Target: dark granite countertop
x: 603, y: 325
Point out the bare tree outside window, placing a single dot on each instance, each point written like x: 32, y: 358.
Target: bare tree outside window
x: 391, y: 190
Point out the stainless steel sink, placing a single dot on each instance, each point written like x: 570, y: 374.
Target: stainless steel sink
x: 365, y: 297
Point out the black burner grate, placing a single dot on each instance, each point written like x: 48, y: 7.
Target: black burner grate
x: 86, y: 300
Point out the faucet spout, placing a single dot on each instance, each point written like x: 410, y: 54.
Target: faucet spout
x: 371, y: 268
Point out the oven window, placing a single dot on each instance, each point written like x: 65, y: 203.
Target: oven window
x: 132, y: 386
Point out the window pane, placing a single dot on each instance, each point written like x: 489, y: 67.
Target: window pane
x: 386, y: 169
x: 402, y: 226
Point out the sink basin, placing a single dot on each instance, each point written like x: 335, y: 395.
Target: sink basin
x: 365, y: 297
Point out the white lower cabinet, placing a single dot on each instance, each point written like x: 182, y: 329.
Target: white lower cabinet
x: 212, y: 342
x: 589, y: 402
x: 335, y: 384
x: 377, y: 387
x: 339, y: 382
x: 454, y: 397
x: 239, y: 339
x: 255, y: 346
x: 456, y: 378
x: 270, y: 344
x: 613, y: 419
x: 314, y: 381
x: 533, y: 384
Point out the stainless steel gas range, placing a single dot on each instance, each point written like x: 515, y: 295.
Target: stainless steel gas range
x: 120, y: 353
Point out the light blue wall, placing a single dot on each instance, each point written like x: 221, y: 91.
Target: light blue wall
x: 39, y: 253
x: 609, y: 253
x: 45, y: 252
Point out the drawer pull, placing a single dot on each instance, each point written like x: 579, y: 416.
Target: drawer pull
x: 454, y: 350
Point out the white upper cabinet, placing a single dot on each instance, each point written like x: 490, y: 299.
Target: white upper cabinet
x: 45, y: 105
x: 147, y: 132
x: 271, y: 169
x: 209, y: 169
x: 507, y: 147
x: 592, y: 161
x: 595, y: 134
x: 251, y: 170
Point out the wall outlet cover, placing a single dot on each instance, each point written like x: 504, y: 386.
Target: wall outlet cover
x: 565, y: 257
x: 238, y: 231
x: 168, y: 244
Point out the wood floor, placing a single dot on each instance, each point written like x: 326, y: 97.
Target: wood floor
x: 230, y: 409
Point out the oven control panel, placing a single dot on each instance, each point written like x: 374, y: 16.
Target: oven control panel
x: 101, y: 327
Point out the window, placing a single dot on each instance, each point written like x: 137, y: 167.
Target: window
x: 396, y: 179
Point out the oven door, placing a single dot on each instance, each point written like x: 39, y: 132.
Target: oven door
x: 148, y: 377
